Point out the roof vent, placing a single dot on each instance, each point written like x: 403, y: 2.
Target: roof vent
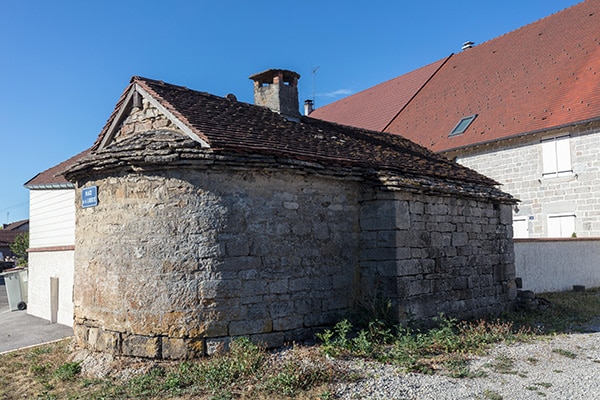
x: 467, y: 45
x: 278, y: 90
x: 308, y: 106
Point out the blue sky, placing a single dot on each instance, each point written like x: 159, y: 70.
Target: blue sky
x: 63, y: 64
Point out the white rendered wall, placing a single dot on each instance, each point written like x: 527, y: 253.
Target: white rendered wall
x: 51, y: 241
x: 557, y: 265
x: 42, y: 267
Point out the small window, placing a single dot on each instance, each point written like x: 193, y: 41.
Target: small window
x: 556, y: 156
x: 520, y: 228
x: 561, y: 225
x: 462, y: 125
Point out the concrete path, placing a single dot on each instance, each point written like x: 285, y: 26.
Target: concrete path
x: 19, y: 329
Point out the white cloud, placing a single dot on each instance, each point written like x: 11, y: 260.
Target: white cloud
x: 336, y: 93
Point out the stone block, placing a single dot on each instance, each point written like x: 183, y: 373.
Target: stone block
x: 253, y: 288
x: 336, y: 303
x: 269, y: 340
x: 217, y: 345
x: 216, y: 328
x: 288, y: 323
x: 249, y: 327
x: 300, y: 284
x: 408, y: 267
x: 384, y: 214
x: 141, y: 346
x: 279, y: 309
x: 237, y: 247
x: 181, y: 348
x: 108, y: 342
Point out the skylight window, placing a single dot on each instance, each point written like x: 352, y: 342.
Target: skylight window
x: 462, y: 125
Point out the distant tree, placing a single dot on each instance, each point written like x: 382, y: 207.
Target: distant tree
x: 19, y: 247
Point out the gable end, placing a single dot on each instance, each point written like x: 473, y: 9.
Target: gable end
x: 135, y: 98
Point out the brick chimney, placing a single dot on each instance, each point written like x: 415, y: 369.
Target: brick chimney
x: 278, y: 90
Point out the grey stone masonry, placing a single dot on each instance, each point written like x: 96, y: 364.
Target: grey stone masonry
x: 214, y: 254
x: 433, y: 254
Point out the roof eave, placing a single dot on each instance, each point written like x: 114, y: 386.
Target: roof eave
x: 50, y: 186
x: 519, y: 135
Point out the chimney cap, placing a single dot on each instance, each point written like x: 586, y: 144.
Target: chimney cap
x: 267, y: 76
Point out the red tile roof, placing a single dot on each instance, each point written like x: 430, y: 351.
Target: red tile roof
x: 52, y: 177
x: 374, y: 108
x: 542, y: 76
x: 232, y: 127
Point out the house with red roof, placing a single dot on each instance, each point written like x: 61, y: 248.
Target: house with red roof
x: 8, y: 235
x: 523, y: 109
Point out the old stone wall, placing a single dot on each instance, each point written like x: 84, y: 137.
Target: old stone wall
x: 173, y: 264
x: 433, y: 254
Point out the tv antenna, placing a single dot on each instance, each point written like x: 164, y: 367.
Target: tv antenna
x: 314, y: 72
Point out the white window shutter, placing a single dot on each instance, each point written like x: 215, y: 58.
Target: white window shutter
x: 561, y: 225
x: 563, y: 154
x: 567, y: 225
x: 549, y: 156
x: 554, y: 227
x: 520, y: 230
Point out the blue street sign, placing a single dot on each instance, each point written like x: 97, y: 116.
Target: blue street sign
x: 89, y: 197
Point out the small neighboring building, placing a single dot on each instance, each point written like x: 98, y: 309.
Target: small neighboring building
x: 51, y: 244
x: 201, y: 218
x: 8, y: 234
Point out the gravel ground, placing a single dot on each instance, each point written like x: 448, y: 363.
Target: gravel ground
x: 563, y: 367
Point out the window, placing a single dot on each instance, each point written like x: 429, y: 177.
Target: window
x: 556, y: 153
x: 462, y: 125
x: 561, y: 225
x: 520, y: 228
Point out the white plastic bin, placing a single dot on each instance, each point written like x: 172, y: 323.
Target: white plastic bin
x: 15, y: 281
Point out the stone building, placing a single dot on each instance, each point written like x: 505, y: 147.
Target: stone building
x: 201, y: 218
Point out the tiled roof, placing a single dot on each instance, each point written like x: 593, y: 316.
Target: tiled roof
x: 8, y: 237
x: 15, y: 225
x: 52, y: 177
x: 542, y: 76
x: 376, y: 107
x: 234, y: 127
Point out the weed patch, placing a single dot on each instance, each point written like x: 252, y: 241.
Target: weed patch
x: 565, y: 353
x: 445, y: 347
